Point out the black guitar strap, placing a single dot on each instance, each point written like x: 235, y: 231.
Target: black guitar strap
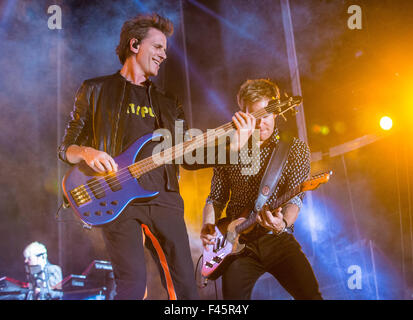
x: 272, y: 173
x: 154, y: 107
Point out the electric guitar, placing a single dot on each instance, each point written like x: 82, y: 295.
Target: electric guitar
x: 227, y: 247
x: 98, y: 199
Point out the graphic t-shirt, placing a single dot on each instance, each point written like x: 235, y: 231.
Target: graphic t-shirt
x: 141, y: 120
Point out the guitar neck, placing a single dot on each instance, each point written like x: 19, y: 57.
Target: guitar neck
x: 286, y: 197
x: 252, y: 219
x: 168, y: 155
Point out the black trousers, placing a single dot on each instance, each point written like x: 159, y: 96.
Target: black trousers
x: 280, y: 256
x: 124, y: 243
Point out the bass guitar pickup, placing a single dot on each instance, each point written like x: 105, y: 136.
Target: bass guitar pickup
x: 80, y: 195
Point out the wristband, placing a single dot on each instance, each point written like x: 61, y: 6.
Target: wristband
x: 286, y: 224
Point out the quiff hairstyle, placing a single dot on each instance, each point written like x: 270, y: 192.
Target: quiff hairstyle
x: 254, y: 90
x: 137, y: 28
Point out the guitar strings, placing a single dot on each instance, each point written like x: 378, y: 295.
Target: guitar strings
x: 278, y: 203
x: 145, y: 165
x: 148, y: 164
x: 141, y: 166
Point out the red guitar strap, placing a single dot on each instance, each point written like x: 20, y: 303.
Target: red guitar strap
x: 164, y: 263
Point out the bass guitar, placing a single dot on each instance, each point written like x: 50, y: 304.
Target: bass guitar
x: 227, y: 247
x: 98, y: 199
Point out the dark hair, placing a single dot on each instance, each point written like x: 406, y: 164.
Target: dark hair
x: 138, y: 28
x: 254, y: 90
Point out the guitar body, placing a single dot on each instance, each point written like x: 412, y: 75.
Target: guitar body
x: 98, y: 199
x: 225, y: 250
x: 227, y: 246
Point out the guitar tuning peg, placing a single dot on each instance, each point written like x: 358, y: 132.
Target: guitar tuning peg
x: 285, y: 94
x: 283, y: 116
x: 294, y: 111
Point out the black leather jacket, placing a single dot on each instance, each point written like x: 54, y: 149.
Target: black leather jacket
x: 98, y: 121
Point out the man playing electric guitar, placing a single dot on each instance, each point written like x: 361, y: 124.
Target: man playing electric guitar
x: 269, y: 247
x: 110, y: 113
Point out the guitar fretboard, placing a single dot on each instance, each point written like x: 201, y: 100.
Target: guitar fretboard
x: 167, y: 156
x: 252, y: 219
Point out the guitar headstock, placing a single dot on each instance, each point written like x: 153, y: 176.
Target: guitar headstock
x: 279, y: 107
x: 315, y: 181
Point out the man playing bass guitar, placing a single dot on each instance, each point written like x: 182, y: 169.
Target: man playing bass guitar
x: 269, y: 248
x: 110, y: 113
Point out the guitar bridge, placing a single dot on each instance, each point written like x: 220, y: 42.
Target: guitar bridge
x: 217, y: 259
x: 80, y: 195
